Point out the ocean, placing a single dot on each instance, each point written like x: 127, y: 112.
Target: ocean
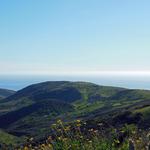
x: 17, y: 82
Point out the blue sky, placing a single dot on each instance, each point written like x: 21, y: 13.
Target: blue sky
x: 74, y: 36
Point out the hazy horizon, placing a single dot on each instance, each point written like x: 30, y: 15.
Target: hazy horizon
x: 17, y: 82
x: 105, y: 42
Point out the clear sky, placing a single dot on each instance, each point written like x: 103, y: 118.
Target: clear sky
x: 57, y: 36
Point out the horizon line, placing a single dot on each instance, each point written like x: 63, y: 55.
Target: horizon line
x: 82, y: 73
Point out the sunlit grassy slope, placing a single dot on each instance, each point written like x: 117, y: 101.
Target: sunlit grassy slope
x: 6, y: 138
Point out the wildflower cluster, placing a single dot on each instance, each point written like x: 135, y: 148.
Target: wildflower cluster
x: 78, y: 136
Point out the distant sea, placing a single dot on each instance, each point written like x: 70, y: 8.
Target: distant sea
x: 16, y: 82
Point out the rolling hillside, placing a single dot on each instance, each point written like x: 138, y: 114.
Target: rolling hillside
x: 5, y: 93
x: 30, y: 111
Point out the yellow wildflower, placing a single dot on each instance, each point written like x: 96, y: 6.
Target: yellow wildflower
x: 67, y: 128
x: 26, y: 148
x: 138, y: 141
x: 59, y: 121
x: 78, y: 121
x: 78, y: 125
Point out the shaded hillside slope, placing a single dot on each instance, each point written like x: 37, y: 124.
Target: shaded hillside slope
x: 5, y: 93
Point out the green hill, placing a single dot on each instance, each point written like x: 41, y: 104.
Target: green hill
x: 5, y: 93
x: 31, y: 111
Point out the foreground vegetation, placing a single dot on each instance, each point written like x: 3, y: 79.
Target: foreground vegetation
x: 79, y: 136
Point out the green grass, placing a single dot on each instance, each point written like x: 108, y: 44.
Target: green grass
x: 8, y: 139
x: 145, y: 111
x: 84, y: 107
